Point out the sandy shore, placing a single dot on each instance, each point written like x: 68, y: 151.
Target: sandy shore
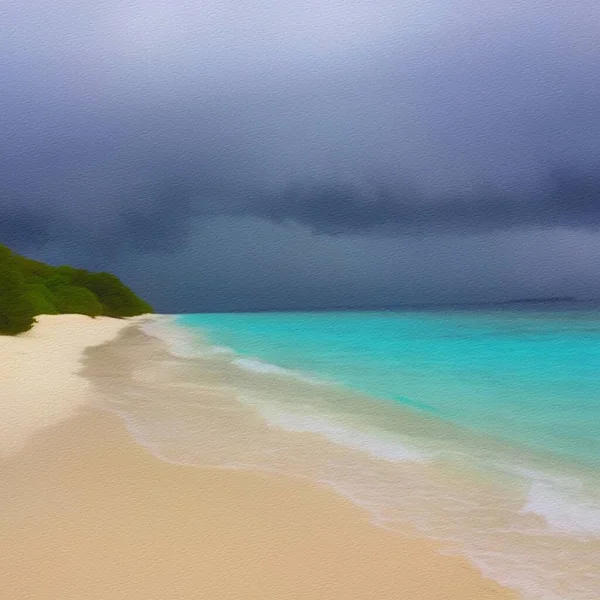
x: 86, y: 513
x: 38, y: 370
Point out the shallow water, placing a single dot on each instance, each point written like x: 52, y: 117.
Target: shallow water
x: 479, y: 428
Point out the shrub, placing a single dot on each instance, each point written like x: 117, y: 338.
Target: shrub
x: 16, y: 311
x: 117, y: 299
x: 29, y: 288
x: 74, y: 299
x: 41, y: 298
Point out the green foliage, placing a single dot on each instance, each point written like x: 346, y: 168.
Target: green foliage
x: 117, y: 299
x: 41, y: 298
x: 74, y: 299
x: 16, y: 311
x: 33, y: 268
x: 29, y: 288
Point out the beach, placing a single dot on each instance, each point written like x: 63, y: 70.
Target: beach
x: 89, y: 513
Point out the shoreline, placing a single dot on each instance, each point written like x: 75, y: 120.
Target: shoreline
x: 89, y: 513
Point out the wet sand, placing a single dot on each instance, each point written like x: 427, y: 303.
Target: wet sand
x: 87, y: 513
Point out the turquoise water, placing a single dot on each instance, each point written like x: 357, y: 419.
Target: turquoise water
x: 530, y: 378
x: 479, y: 428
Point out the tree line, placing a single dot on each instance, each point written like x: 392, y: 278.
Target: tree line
x: 29, y: 288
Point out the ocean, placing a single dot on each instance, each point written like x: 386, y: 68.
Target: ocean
x: 476, y: 427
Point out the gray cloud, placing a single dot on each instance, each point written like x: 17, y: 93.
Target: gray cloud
x: 130, y: 128
x: 20, y: 227
x: 158, y: 217
x: 247, y: 263
x: 569, y: 198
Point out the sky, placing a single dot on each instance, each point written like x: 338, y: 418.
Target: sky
x: 235, y: 155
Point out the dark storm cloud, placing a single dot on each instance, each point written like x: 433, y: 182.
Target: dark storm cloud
x: 158, y: 217
x: 25, y: 227
x: 245, y: 263
x: 570, y: 198
x: 130, y: 127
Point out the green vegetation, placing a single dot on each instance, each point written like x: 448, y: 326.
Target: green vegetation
x: 29, y: 288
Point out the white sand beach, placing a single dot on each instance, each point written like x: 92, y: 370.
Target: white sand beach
x: 87, y: 513
x: 40, y: 385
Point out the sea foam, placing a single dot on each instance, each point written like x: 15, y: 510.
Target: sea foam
x: 377, y: 445
x: 563, y: 505
x: 181, y: 342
